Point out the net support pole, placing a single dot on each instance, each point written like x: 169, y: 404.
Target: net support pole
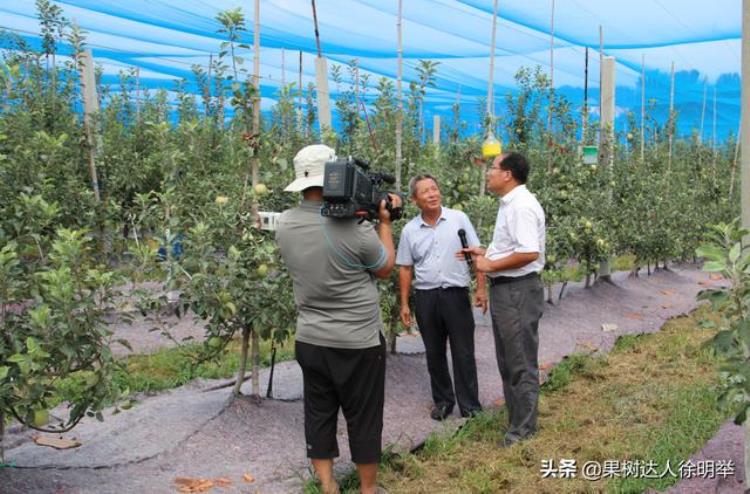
x: 643, y: 107
x: 703, y: 112
x: 744, y: 146
x: 400, y: 103
x: 300, y: 119
x: 735, y: 160
x: 551, y: 85
x: 607, y: 135
x: 745, y: 177
x: 255, y: 341
x: 137, y: 94
x: 436, y: 130
x: 713, y: 143
x: 713, y: 127
x: 90, y: 110
x: 490, y: 94
x: 671, y: 120
x: 321, y: 81
x: 585, y: 109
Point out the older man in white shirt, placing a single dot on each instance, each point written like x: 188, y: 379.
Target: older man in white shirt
x: 443, y: 307
x: 513, y: 262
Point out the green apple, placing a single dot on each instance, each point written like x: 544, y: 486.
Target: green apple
x: 40, y: 418
x: 262, y: 270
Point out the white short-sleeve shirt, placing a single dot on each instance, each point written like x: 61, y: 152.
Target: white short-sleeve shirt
x: 519, y: 227
x: 431, y: 250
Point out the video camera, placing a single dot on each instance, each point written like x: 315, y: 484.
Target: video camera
x: 350, y: 190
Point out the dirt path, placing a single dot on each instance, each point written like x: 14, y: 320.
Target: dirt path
x: 726, y: 445
x: 141, y: 333
x: 188, y: 432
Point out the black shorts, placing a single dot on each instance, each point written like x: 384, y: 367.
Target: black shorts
x: 350, y: 379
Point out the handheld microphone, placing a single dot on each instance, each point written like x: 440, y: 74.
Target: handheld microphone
x: 465, y: 245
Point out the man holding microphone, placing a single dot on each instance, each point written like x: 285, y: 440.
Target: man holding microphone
x: 443, y: 306
x: 513, y: 262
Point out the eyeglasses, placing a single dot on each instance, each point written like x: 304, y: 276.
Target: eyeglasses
x: 497, y: 168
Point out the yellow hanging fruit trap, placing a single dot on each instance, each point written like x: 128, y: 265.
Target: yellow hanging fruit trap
x: 491, y: 147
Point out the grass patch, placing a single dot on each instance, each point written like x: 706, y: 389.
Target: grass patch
x: 653, y: 398
x: 576, y: 272
x: 169, y: 368
x: 574, y: 365
x: 625, y: 262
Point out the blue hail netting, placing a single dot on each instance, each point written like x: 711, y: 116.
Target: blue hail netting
x: 164, y: 38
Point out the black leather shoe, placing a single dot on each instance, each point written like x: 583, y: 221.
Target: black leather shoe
x: 507, y: 442
x: 440, y: 412
x: 510, y: 440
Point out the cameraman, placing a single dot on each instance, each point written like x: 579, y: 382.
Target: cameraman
x: 339, y: 344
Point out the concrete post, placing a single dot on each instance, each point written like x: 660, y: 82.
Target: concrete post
x: 607, y: 134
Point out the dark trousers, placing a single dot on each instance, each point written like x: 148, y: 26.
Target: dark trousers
x: 352, y: 380
x: 516, y: 308
x: 444, y: 314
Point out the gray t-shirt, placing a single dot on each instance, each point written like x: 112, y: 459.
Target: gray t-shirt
x: 331, y: 264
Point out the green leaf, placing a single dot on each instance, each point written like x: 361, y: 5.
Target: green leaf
x: 17, y: 358
x: 40, y: 315
x: 714, y: 266
x: 716, y: 297
x: 77, y: 411
x: 67, y: 350
x: 743, y: 332
x: 25, y: 367
x: 32, y: 345
x: 4, y: 370
x: 124, y: 343
x: 742, y: 415
x: 723, y: 341
x: 735, y: 252
x: 710, y: 252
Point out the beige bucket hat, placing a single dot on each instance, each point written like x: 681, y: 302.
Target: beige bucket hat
x: 309, y: 165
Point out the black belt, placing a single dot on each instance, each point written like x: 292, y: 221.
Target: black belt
x: 500, y: 280
x: 443, y: 288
